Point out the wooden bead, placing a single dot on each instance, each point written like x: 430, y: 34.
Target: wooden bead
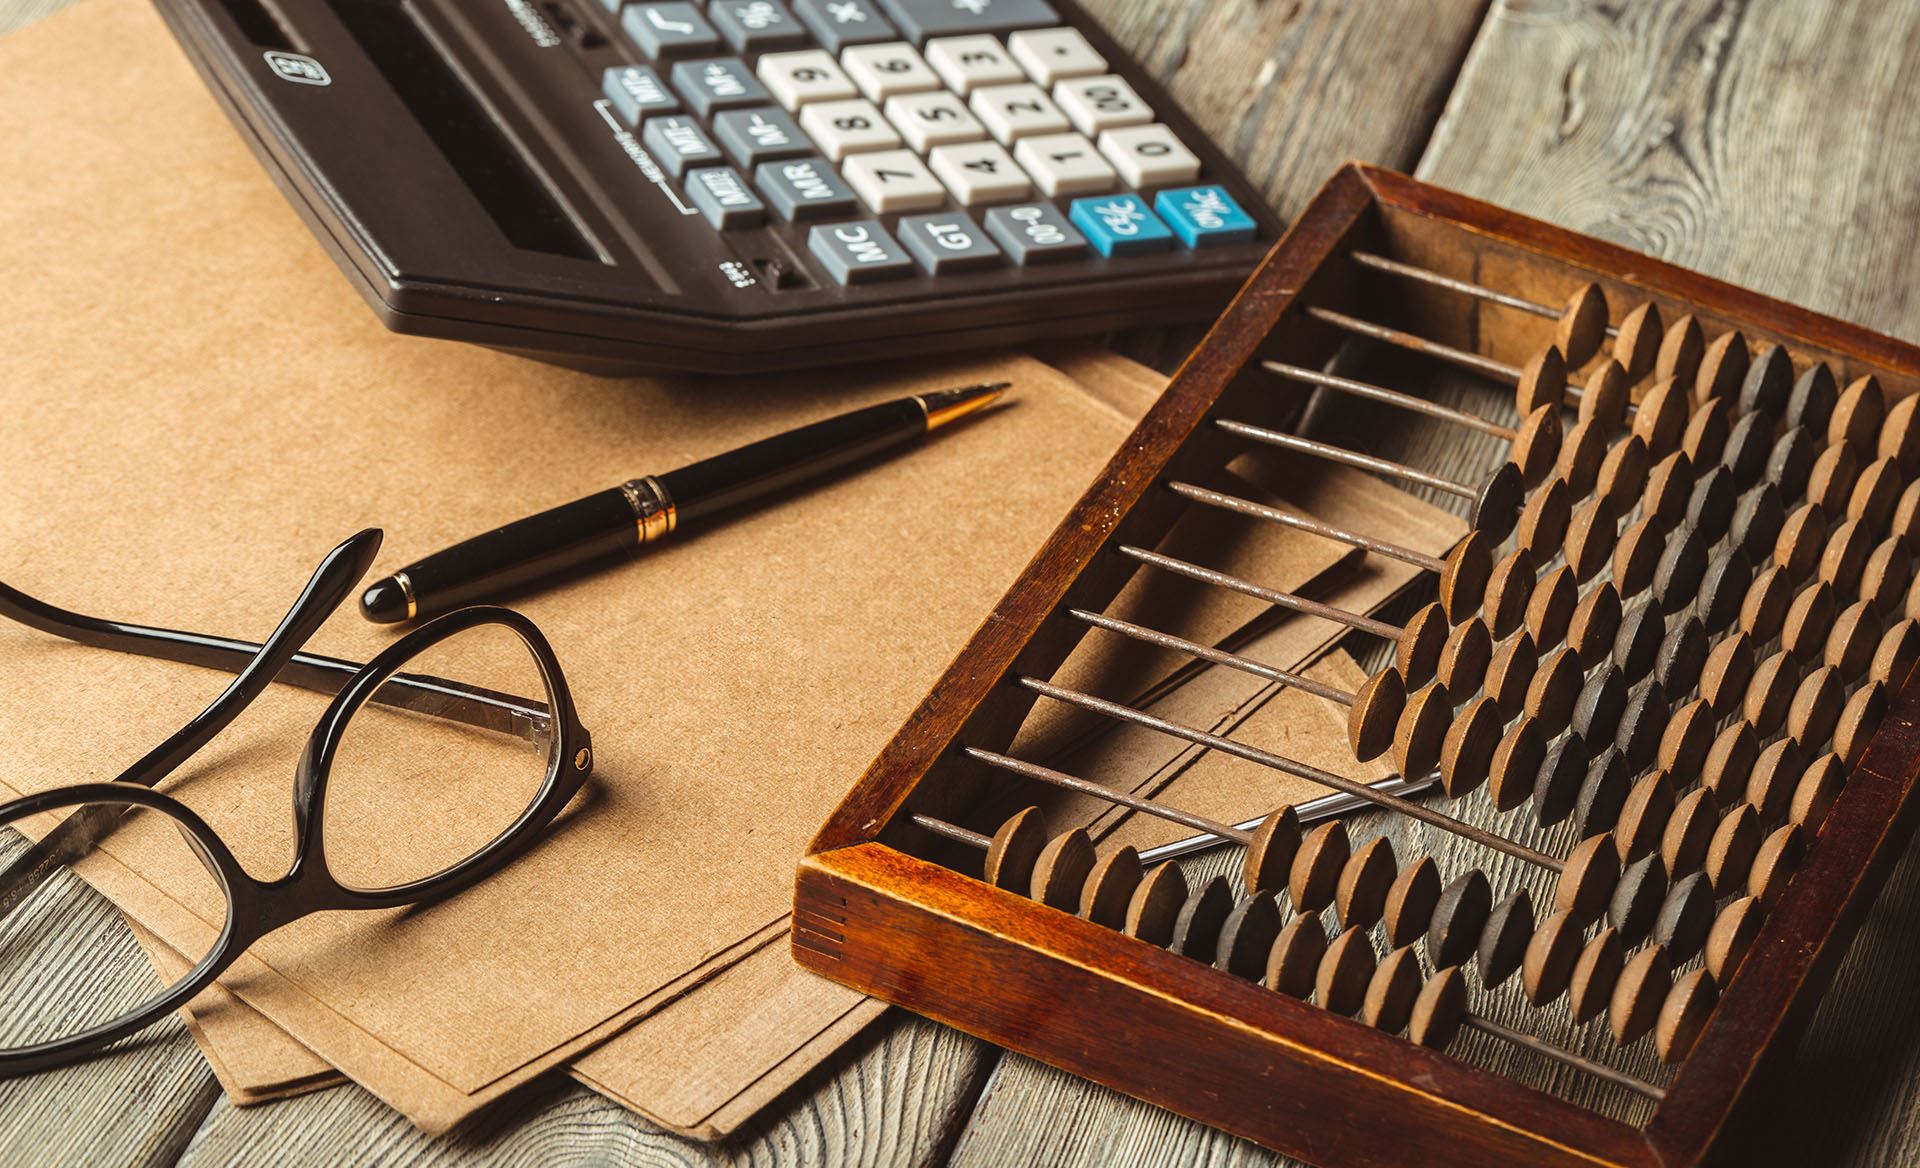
x: 1683, y: 657
x: 1685, y: 917
x: 1581, y: 452
x: 1583, y: 325
x: 1888, y: 574
x: 1596, y: 712
x: 1509, y: 671
x: 1466, y: 753
x: 1732, y: 936
x: 1594, y: 974
x: 1438, y: 1010
x: 1269, y: 859
x: 1844, y: 558
x: 1603, y: 791
x: 1417, y: 653
x: 1587, y: 879
x: 1768, y: 383
x: 1556, y: 786
x: 1859, y: 719
x: 1819, y: 786
x: 1497, y: 507
x: 1503, y: 941
x: 1899, y: 649
x: 1803, y: 633
x: 1802, y: 538
x: 1765, y: 606
x: 1830, y: 482
x: 1790, y: 463
x: 1875, y: 494
x: 1706, y: 433
x: 1543, y: 382
x: 1636, y: 554
x: 1060, y: 872
x: 1362, y: 894
x: 1676, y: 578
x: 1815, y: 708
x: 1729, y: 760
x: 1900, y: 434
x: 1551, y: 606
x: 1669, y: 485
x: 1774, y: 863
x: 1684, y: 843
x: 1636, y: 343
x: 1710, y: 505
x: 1684, y: 1015
x: 1294, y: 961
x: 1594, y: 625
x: 1681, y: 348
x: 1547, y: 965
x: 1643, y: 817
x: 1392, y: 991
x: 1536, y: 444
x: 1463, y: 580
x: 1315, y: 874
x: 1724, y: 677
x: 1722, y: 367
x: 1156, y: 905
x: 1590, y: 536
x: 1341, y: 983
x: 1110, y: 888
x: 1421, y: 730
x: 1770, y: 693
x: 1623, y: 472
x: 1638, y: 994
x: 1637, y: 899
x: 1516, y: 762
x: 1508, y: 590
x: 1603, y: 399
x: 1375, y: 711
x: 1684, y: 743
x: 1636, y: 647
x: 1410, y: 902
x: 1905, y: 520
x: 1775, y: 773
x: 1857, y: 415
x: 1852, y: 639
x: 1722, y: 589
x: 1555, y: 684
x: 1811, y: 404
x: 1458, y: 918
x: 1544, y: 519
x: 1757, y: 518
x: 1464, y: 657
x: 1745, y: 454
x: 1246, y: 940
x: 1196, y: 930
x: 1015, y: 849
x: 1662, y: 417
x: 1730, y: 853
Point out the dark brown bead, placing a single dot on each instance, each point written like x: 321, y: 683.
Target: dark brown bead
x: 1662, y: 417
x: 1410, y: 901
x: 1636, y: 647
x: 1374, y: 714
x: 1775, y: 772
x: 1683, y: 656
x: 1731, y: 936
x: 1622, y: 473
x: 1603, y: 399
x: 1509, y: 671
x: 1464, y: 657
x: 1269, y: 859
x: 1638, y: 994
x: 1766, y: 604
x: 1556, y: 788
x: 1536, y: 444
x: 1544, y: 519
x: 1706, y: 433
x: 1548, y: 963
x: 1730, y: 853
x: 1602, y: 793
x: 1421, y: 730
x: 1110, y: 888
x: 1641, y: 724
x: 1463, y: 581
x: 1015, y: 849
x: 1722, y: 368
x: 1508, y: 590
x: 1637, y: 899
x: 1196, y: 931
x: 1516, y: 762
x: 1768, y: 384
x: 1676, y: 578
x: 1811, y: 404
x: 1246, y: 940
x: 1724, y: 677
x: 1595, y: 623
x: 1858, y: 414
x: 1497, y: 508
x: 1543, y: 382
x: 1060, y: 872
x: 1636, y: 344
x: 1790, y: 463
x: 1315, y: 873
x: 1900, y: 434
x: 1362, y: 895
x: 1597, y: 710
x: 1594, y: 973
x: 1466, y: 754
x: 1757, y: 518
x: 1555, y: 685
x: 1438, y: 1010
x: 1636, y: 555
x: 1685, y: 741
x: 1392, y: 991
x: 1745, y: 454
x: 1770, y: 693
x: 1830, y: 482
x: 1875, y: 494
x: 1156, y: 905
x: 1644, y: 817
x: 1587, y: 880
x: 1680, y: 351
x: 1802, y: 538
x: 1684, y: 844
x: 1590, y: 536
x: 1722, y: 589
x: 1859, y: 718
x: 1417, y: 654
x: 1684, y: 1015
x: 1294, y: 961
x: 1458, y: 918
x: 1774, y: 863
x: 1685, y: 917
x: 1581, y: 452
x: 1503, y: 942
x: 1729, y: 760
x: 1341, y: 983
x: 1551, y: 606
x: 1583, y: 325
x: 1819, y: 786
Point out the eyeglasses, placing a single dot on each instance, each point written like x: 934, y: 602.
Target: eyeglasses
x: 413, y: 786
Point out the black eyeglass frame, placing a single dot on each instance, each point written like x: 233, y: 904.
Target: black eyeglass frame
x: 258, y: 907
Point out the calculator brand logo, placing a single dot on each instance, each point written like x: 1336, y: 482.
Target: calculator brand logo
x: 299, y: 69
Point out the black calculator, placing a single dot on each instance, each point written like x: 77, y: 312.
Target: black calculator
x: 732, y: 186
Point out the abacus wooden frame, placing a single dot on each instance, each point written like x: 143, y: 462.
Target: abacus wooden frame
x: 872, y: 914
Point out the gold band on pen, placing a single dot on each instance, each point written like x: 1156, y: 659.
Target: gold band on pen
x: 653, y: 510
x: 406, y: 590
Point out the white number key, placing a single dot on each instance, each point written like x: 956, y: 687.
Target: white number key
x: 1101, y: 103
x: 894, y: 180
x: 841, y: 128
x: 884, y: 70
x: 927, y: 120
x: 797, y: 78
x: 1050, y: 54
x: 964, y: 62
x: 979, y: 172
x: 1064, y: 164
x: 1149, y: 156
x: 1014, y: 111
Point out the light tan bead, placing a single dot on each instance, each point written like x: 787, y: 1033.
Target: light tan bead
x: 1015, y: 848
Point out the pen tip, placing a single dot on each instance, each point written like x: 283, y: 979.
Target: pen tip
x: 384, y: 602
x: 949, y: 404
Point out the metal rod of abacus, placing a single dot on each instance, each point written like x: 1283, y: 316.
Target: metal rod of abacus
x: 1485, y: 366
x: 1081, y: 786
x: 1295, y: 768
x: 1273, y: 596
x: 1248, y: 507
x: 1210, y: 654
x: 1328, y: 806
x: 1480, y: 291
x: 953, y: 831
x: 1540, y: 1046
x: 1392, y: 397
x: 1346, y: 457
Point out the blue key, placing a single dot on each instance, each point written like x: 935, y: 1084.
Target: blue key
x: 1119, y: 225
x: 1204, y: 216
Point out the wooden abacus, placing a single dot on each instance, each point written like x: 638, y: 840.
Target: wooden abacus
x: 1671, y: 653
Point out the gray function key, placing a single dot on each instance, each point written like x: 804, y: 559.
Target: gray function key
x: 724, y: 197
x: 674, y: 29
x: 718, y: 83
x: 754, y: 136
x: 678, y: 143
x: 635, y: 91
x: 839, y: 23
x: 859, y: 251
x: 920, y: 19
x: 756, y: 26
x: 804, y: 188
x: 945, y: 243
x: 1035, y: 233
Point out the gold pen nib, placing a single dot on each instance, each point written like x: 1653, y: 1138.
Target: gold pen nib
x: 949, y: 404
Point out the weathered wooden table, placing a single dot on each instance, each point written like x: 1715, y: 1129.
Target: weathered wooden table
x: 1772, y: 144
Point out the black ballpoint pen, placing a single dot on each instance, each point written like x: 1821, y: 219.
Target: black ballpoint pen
x: 640, y: 511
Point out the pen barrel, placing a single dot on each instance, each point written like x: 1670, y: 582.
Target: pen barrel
x: 775, y: 464
x: 527, y: 550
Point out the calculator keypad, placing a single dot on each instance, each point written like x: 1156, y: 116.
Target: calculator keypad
x: 910, y: 136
